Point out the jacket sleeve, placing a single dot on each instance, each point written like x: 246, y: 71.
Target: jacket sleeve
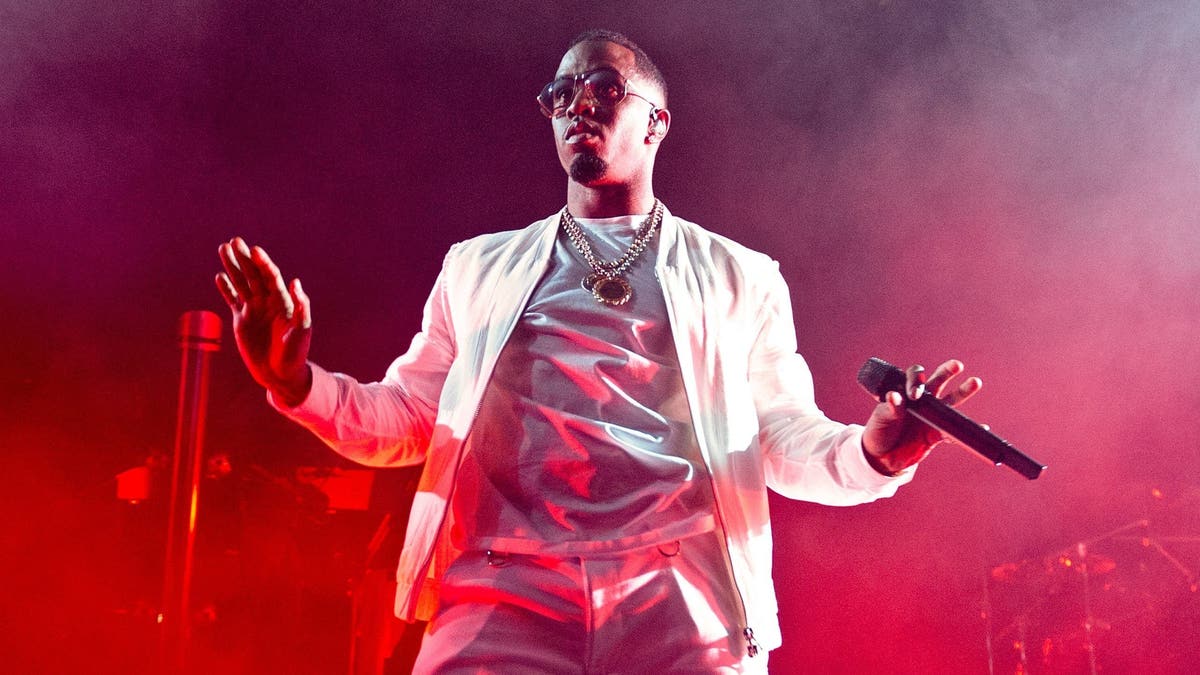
x: 806, y: 455
x: 386, y: 423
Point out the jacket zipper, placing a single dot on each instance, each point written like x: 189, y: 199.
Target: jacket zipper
x: 423, y: 570
x: 752, y: 645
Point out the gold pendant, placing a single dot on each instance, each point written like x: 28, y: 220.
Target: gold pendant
x: 611, y: 290
x: 590, y: 280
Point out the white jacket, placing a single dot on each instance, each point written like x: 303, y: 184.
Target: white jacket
x: 750, y: 395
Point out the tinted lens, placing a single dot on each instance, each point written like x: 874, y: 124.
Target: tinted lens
x: 606, y: 87
x: 557, y: 95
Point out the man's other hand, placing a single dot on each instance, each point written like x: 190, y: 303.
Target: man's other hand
x: 272, y: 321
x: 895, y: 440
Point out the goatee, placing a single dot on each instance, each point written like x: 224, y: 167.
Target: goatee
x: 587, y: 168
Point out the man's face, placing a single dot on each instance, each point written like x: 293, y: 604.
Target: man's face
x: 598, y: 145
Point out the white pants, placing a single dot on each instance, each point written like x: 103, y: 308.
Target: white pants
x: 663, y: 609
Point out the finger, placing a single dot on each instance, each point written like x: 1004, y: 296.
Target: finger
x: 894, y: 401
x: 964, y: 391
x: 298, y: 336
x: 272, y: 280
x: 303, y: 316
x: 943, y: 374
x: 255, y: 283
x: 914, y: 381
x: 232, y: 269
x: 227, y: 291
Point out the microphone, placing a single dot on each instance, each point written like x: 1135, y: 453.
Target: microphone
x: 879, y: 377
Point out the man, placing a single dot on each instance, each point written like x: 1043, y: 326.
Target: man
x: 600, y: 400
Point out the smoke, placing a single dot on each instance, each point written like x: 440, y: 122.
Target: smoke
x: 1014, y: 183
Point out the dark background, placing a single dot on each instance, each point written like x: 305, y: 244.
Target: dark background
x: 1013, y: 183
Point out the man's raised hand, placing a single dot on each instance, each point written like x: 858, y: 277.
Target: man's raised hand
x: 272, y: 321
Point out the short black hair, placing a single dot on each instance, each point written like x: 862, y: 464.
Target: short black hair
x: 645, y: 67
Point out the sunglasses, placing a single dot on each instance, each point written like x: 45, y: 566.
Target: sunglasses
x: 605, y: 87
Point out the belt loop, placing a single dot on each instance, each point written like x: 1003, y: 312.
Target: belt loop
x: 669, y: 550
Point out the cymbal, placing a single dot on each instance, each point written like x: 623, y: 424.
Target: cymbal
x: 1092, y: 563
x: 1009, y: 571
x: 1029, y: 570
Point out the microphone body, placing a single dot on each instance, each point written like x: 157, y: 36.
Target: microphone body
x: 879, y: 377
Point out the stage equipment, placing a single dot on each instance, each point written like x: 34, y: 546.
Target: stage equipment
x: 199, y: 337
x: 880, y: 377
x: 1120, y: 602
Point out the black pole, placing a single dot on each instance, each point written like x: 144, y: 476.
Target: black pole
x: 199, y: 337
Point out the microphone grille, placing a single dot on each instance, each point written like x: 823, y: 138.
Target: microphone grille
x: 879, y: 377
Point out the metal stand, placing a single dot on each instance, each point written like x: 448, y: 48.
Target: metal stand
x: 1089, y: 618
x: 1095, y: 605
x: 199, y: 337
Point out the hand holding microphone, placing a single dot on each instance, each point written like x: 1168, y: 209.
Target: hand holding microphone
x: 887, y: 383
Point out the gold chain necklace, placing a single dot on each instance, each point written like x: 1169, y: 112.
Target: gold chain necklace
x: 605, y: 282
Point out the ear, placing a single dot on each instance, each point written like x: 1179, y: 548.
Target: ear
x: 660, y: 122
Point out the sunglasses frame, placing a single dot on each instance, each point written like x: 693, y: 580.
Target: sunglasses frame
x: 626, y: 91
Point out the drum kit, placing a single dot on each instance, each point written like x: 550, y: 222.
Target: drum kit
x: 1124, y: 601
